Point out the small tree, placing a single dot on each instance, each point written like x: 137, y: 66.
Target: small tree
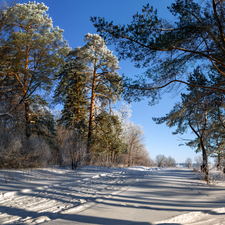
x: 107, y: 140
x: 170, y: 162
x: 134, y: 140
x: 198, y: 160
x: 188, y: 162
x: 161, y: 160
x: 72, y: 148
x: 136, y: 153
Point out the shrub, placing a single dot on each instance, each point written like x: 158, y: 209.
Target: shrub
x: 19, y: 152
x: 35, y: 152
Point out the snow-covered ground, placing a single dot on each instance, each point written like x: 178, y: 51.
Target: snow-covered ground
x: 94, y: 195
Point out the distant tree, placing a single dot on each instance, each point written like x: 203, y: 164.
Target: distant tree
x: 198, y: 160
x: 134, y: 140
x: 170, y: 162
x: 161, y: 160
x: 141, y: 157
x: 124, y: 113
x: 151, y: 163
x: 133, y: 135
x: 188, y: 162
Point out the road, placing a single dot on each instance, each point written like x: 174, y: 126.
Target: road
x: 156, y: 197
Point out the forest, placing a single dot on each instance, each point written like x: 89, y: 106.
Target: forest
x: 185, y: 56
x: 38, y: 71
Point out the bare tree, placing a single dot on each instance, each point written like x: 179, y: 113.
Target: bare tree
x: 170, y: 162
x: 161, y: 160
x: 134, y: 136
x: 188, y: 162
x: 198, y: 160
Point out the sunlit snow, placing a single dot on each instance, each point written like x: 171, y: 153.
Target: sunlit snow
x: 97, y: 195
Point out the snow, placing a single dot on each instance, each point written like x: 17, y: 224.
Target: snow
x: 97, y: 195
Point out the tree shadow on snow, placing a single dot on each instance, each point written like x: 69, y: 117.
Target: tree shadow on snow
x: 68, y: 219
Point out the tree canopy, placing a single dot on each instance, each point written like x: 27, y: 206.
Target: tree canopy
x: 170, y: 49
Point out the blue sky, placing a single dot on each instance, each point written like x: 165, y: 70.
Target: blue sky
x: 74, y: 17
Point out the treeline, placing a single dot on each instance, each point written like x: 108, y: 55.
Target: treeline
x: 73, y: 146
x: 34, y: 58
x: 163, y: 161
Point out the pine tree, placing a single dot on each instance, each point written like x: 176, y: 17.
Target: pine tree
x: 34, y: 51
x: 9, y: 96
x: 107, y: 137
x: 89, y: 81
x: 106, y: 83
x: 168, y: 50
x: 43, y: 123
x: 193, y: 113
x: 72, y: 90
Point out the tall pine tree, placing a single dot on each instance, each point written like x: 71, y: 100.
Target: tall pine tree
x: 72, y: 90
x: 34, y: 51
x: 90, y: 81
x: 106, y: 83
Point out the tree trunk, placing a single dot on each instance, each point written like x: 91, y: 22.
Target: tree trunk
x: 218, y: 164
x: 205, y: 161
x: 27, y: 111
x: 91, y: 118
x: 27, y: 118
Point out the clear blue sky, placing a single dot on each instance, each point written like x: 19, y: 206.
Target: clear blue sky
x: 74, y: 17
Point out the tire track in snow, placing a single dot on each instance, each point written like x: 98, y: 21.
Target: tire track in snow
x: 44, y: 203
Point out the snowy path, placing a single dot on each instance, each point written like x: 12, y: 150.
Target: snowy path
x: 158, y: 197
x: 113, y: 196
x: 45, y: 202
